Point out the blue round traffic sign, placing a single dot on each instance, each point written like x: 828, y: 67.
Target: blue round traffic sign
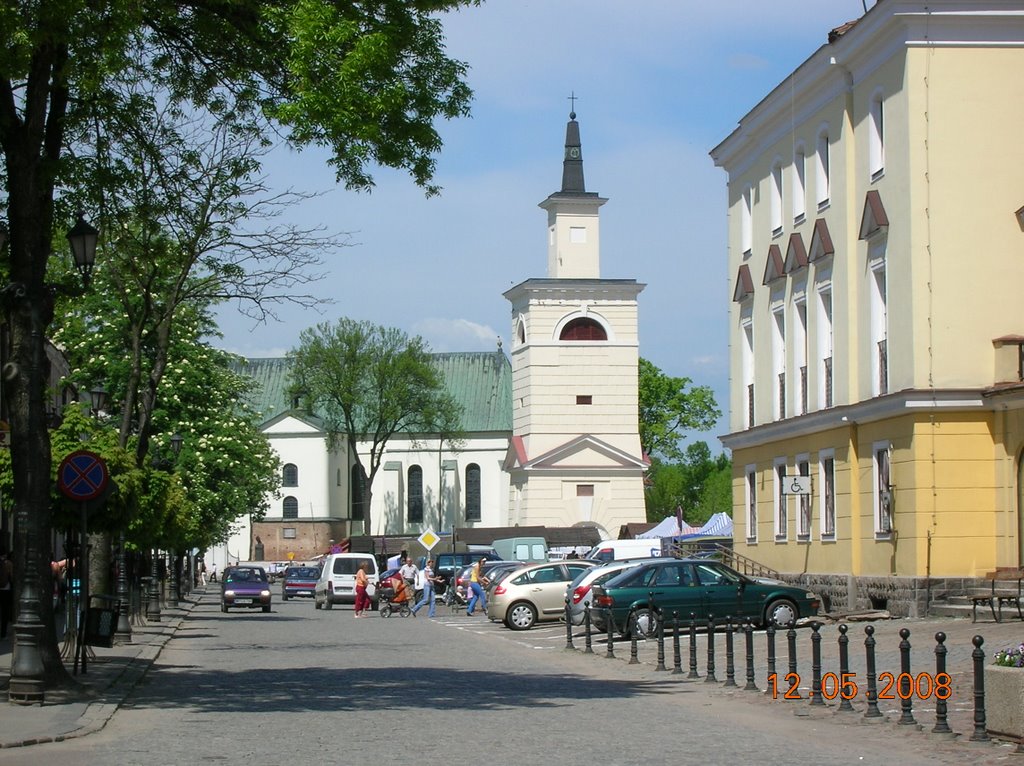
x: 82, y: 475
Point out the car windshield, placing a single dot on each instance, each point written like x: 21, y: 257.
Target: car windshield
x: 302, y: 573
x: 245, y: 575
x: 716, y: 574
x: 349, y: 566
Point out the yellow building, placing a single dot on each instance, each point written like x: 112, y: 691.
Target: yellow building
x: 876, y: 254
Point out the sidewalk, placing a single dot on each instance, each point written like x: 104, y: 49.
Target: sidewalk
x: 109, y: 678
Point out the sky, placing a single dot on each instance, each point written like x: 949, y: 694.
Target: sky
x: 659, y: 83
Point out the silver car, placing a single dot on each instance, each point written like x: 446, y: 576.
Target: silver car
x: 579, y: 590
x: 533, y: 593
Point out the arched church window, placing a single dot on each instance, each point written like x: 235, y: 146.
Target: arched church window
x: 290, y: 508
x: 583, y: 328
x: 357, y: 491
x: 472, y: 492
x: 521, y: 331
x: 415, y: 495
x: 290, y: 475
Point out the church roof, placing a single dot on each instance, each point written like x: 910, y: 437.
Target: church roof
x: 480, y: 381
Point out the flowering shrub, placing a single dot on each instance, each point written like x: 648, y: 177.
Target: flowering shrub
x: 1011, y: 658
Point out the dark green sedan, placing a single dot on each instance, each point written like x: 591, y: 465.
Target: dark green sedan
x: 641, y: 597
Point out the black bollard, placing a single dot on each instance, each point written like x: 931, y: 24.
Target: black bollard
x: 568, y: 626
x: 769, y: 636
x: 632, y: 649
x: 587, y: 648
x: 677, y: 655
x: 748, y: 632
x: 980, y: 732
x: 693, y: 647
x: 661, y: 645
x: 710, y: 677
x: 816, y: 664
x: 942, y: 681
x: 610, y: 653
x: 872, y: 679
x: 906, y: 681
x: 730, y: 665
x: 793, y: 678
x: 844, y: 670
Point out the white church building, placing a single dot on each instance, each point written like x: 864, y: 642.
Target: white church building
x: 551, y: 435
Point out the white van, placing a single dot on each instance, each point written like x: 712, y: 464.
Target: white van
x: 337, y: 583
x: 616, y: 550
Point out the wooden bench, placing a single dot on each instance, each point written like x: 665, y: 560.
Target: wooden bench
x: 1004, y: 588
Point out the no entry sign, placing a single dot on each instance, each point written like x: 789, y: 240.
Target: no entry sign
x: 82, y: 476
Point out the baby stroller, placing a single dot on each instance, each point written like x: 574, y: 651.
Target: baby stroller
x: 393, y: 597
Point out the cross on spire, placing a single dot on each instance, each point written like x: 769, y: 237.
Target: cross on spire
x: 572, y: 105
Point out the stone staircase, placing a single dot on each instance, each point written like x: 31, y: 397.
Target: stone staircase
x: 959, y: 602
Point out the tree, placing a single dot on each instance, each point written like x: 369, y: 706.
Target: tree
x: 366, y: 80
x: 700, y: 485
x: 668, y: 409
x: 369, y: 382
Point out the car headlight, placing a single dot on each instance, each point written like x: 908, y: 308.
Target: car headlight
x: 229, y: 594
x: 811, y: 595
x: 265, y: 593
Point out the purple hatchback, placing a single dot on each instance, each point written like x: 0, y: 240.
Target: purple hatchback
x: 245, y: 586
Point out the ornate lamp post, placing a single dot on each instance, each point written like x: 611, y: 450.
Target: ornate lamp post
x: 27, y: 669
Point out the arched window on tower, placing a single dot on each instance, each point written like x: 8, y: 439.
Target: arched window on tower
x: 290, y: 508
x: 415, y: 495
x: 472, y: 492
x: 583, y: 328
x: 290, y: 475
x: 357, y: 489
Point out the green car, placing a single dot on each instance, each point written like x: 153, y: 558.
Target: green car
x: 641, y: 597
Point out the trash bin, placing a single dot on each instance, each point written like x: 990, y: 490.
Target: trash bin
x: 101, y: 621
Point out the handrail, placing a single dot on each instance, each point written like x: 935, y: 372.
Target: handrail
x: 726, y: 555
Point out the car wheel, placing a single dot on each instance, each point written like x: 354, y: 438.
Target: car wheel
x: 284, y: 597
x: 224, y: 608
x: 643, y: 623
x: 521, y: 616
x: 782, y: 613
x: 328, y: 604
x: 316, y: 603
x: 266, y: 608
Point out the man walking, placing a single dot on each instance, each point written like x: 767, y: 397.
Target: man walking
x: 428, y: 590
x: 408, y: 574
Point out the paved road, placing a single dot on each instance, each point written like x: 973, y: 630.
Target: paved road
x: 300, y: 686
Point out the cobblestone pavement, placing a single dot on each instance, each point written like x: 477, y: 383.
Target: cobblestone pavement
x: 306, y: 686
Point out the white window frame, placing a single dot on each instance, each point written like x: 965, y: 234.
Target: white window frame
x: 781, y: 501
x: 748, y: 367
x: 881, y: 473
x: 800, y: 355
x: 747, y: 221
x: 824, y: 342
x: 803, y: 502
x: 750, y: 503
x: 778, y: 359
x: 799, y: 182
x: 879, y: 308
x: 775, y: 198
x: 876, y: 135
x: 827, y: 494
x: 822, y: 169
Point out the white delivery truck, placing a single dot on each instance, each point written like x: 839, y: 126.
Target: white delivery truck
x: 616, y: 550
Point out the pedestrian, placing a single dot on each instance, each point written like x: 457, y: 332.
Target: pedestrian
x: 6, y: 592
x: 428, y: 578
x: 213, y: 573
x: 202, y: 574
x: 362, y: 581
x: 477, y: 583
x: 408, y: 573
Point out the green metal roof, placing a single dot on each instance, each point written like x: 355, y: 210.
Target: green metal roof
x: 480, y: 381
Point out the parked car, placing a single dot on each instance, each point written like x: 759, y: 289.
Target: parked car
x: 299, y: 581
x: 533, y: 593
x: 337, y: 583
x: 620, y: 550
x: 492, y: 570
x: 641, y: 597
x: 245, y: 586
x: 580, y: 590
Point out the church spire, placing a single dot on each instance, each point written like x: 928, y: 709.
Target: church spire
x: 572, y: 165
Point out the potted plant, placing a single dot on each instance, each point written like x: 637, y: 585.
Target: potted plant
x: 1004, y: 693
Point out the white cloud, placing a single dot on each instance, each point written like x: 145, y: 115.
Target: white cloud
x: 456, y: 334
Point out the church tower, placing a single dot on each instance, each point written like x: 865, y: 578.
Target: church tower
x: 575, y: 456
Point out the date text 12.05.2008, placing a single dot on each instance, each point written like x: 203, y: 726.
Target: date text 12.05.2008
x: 844, y: 686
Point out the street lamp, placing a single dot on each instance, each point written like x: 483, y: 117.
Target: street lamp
x: 33, y: 302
